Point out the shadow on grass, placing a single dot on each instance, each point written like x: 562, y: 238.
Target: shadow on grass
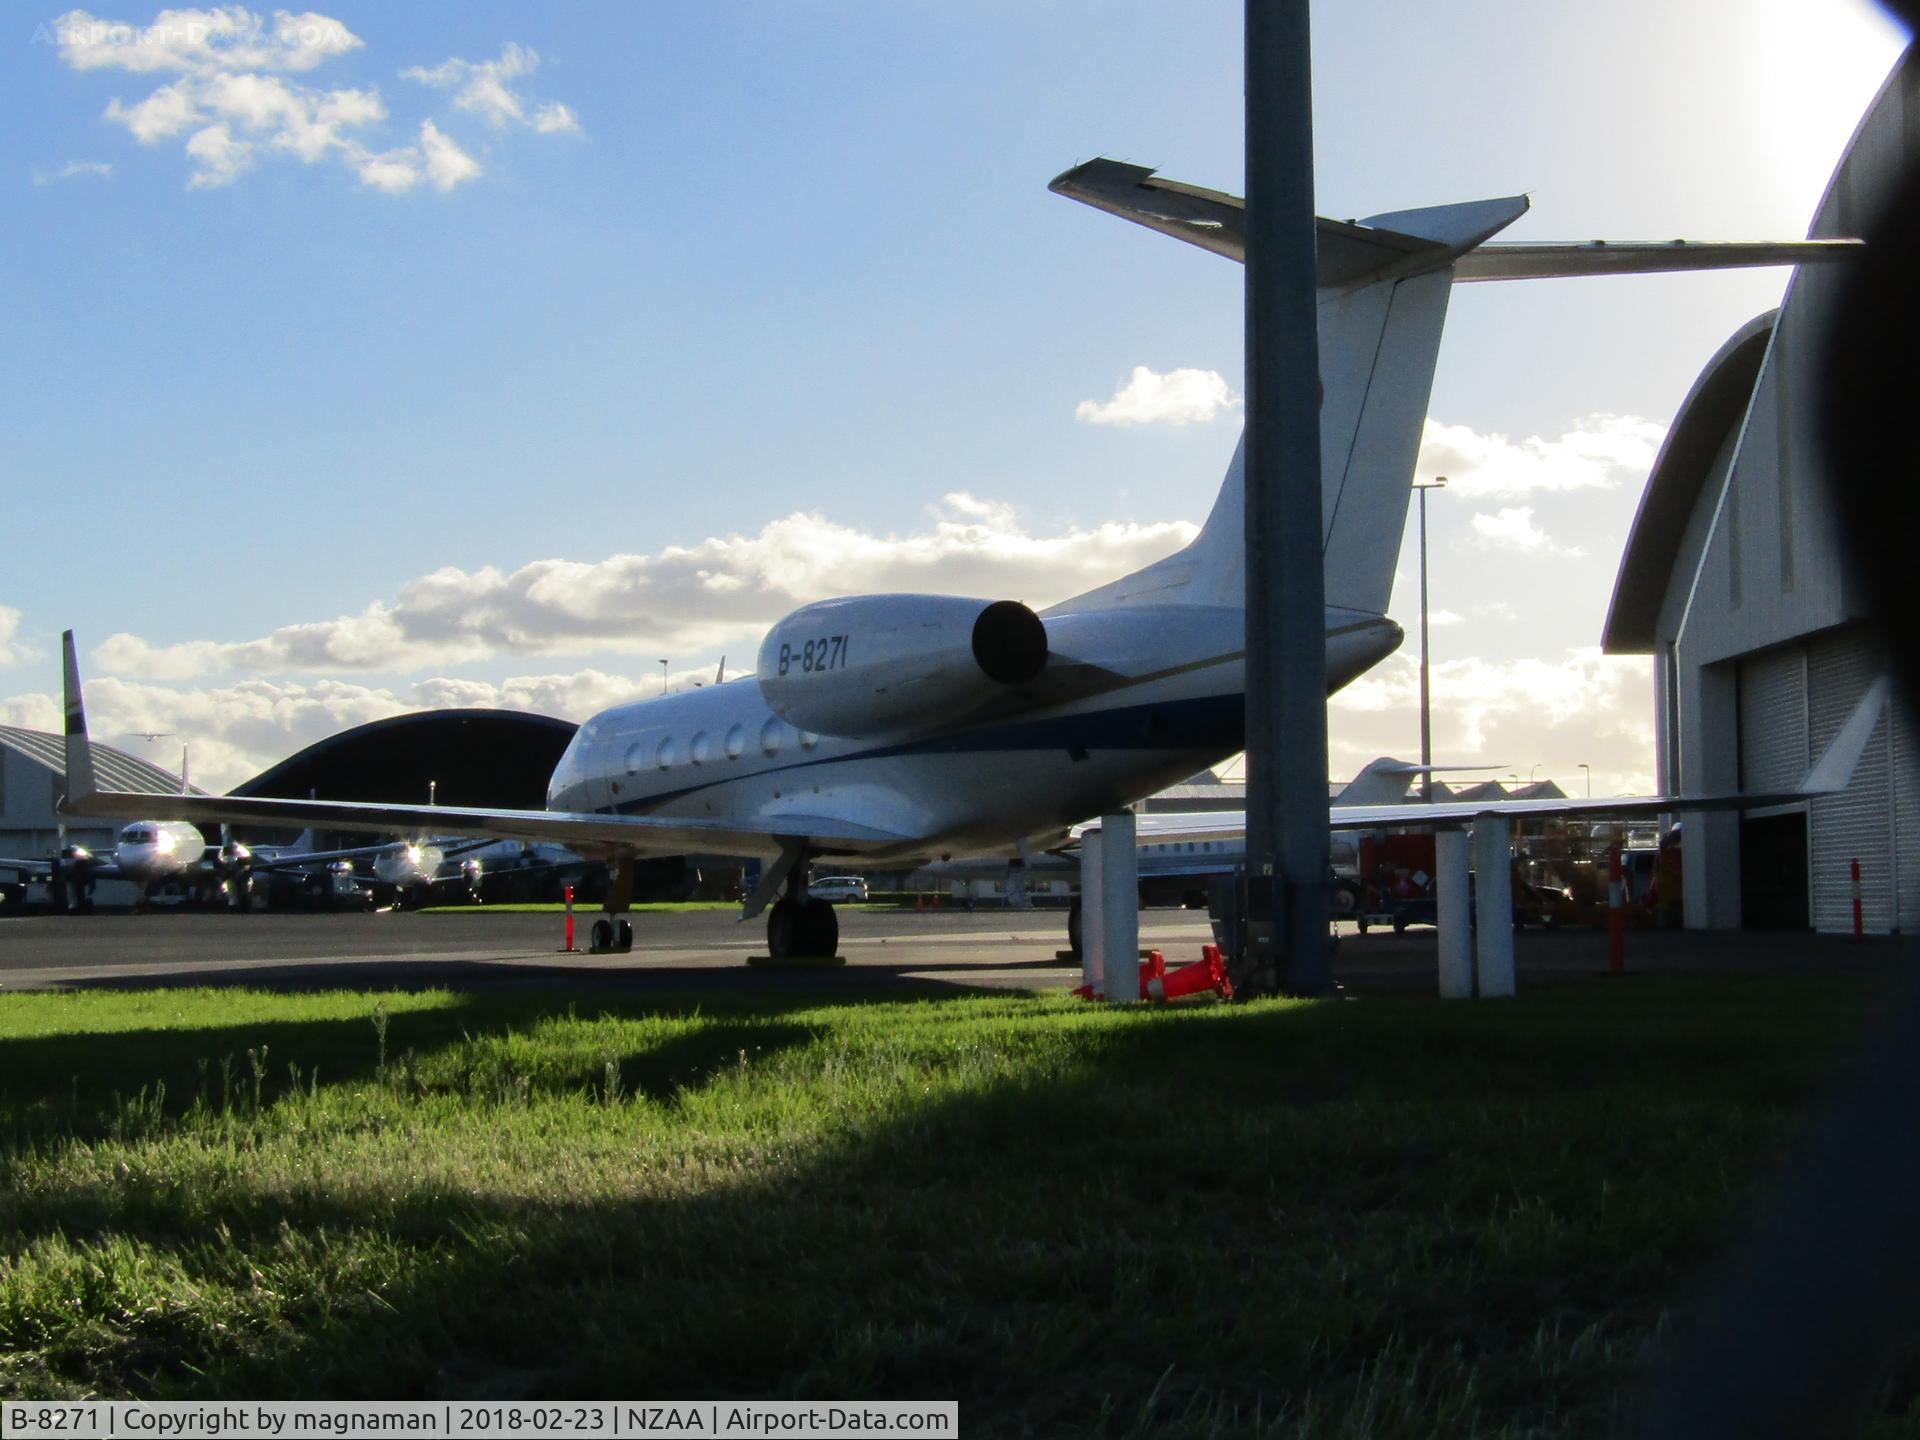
x: 1390, y: 1219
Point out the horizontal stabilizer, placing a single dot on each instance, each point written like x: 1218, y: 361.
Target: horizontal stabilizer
x: 1408, y: 241
x: 1518, y: 260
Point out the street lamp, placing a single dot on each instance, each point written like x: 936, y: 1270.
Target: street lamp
x: 1426, y: 695
x: 663, y: 677
x: 1589, y: 769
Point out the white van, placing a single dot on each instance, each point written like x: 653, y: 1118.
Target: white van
x: 838, y: 888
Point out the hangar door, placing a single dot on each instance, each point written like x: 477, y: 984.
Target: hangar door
x: 1863, y: 821
x: 1773, y: 756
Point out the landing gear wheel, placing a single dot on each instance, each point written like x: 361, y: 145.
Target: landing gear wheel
x: 600, y: 938
x: 802, y: 929
x: 1073, y: 927
x: 784, y: 930
x: 822, y: 927
x: 623, y: 935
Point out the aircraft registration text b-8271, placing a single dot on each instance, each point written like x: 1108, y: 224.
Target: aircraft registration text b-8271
x: 829, y: 652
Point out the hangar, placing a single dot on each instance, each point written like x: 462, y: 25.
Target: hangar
x: 33, y: 776
x: 1734, y: 582
x: 469, y: 757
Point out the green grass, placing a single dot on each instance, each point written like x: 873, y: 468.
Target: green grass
x: 1389, y: 1217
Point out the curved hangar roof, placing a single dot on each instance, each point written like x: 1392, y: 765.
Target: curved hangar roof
x: 473, y: 757
x: 1715, y: 406
x: 117, y: 769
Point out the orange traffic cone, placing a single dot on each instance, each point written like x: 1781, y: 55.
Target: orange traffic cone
x: 1207, y: 973
x: 920, y: 902
x: 1153, y: 968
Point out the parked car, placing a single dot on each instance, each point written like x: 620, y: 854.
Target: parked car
x: 838, y: 888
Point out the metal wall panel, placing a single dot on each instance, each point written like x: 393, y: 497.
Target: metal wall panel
x: 1773, y: 719
x: 1906, y: 818
x: 1859, y: 823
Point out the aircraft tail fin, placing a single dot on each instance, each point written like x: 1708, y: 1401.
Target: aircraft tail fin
x: 81, y: 781
x: 1380, y: 320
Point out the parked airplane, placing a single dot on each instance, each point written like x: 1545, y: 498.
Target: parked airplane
x: 152, y: 853
x: 910, y: 727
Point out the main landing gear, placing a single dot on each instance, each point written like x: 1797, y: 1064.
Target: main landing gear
x: 613, y: 931
x: 801, y: 926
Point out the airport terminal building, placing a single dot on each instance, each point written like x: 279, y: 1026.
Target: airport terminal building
x: 1762, y: 643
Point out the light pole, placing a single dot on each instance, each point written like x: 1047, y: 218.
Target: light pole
x: 663, y: 677
x: 1438, y: 482
x: 1589, y: 769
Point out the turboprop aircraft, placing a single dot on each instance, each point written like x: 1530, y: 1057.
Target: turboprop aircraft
x: 905, y: 728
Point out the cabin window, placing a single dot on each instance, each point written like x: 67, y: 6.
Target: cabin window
x: 702, y: 747
x: 808, y: 739
x: 770, y: 736
x: 736, y: 742
x: 666, y: 754
x: 634, y: 760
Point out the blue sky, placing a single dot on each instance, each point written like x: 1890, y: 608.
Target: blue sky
x: 748, y: 293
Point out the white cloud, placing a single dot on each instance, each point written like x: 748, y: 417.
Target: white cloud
x: 721, y: 594
x: 1553, y: 711
x: 218, y: 158
x: 11, y: 651
x: 233, y: 732
x: 481, y: 88
x: 1600, y: 452
x: 202, y: 42
x: 1513, y: 529
x: 555, y: 119
x: 233, y: 103
x: 74, y: 170
x: 447, y: 164
x: 166, y: 112
x: 1180, y: 397
x: 1445, y: 617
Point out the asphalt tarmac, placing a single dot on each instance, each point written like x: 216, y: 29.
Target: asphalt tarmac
x: 478, y: 948
x: 886, y: 949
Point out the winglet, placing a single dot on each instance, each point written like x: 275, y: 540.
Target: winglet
x: 80, y: 777
x: 1833, y: 771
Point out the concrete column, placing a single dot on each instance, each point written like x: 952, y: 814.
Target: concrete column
x: 1120, y: 908
x: 1493, y: 905
x: 1092, y: 914
x: 1450, y: 849
x: 1286, y: 665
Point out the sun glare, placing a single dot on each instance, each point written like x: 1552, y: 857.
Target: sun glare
x: 1826, y: 60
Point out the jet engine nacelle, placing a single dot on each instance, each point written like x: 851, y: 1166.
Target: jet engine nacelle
x: 876, y: 664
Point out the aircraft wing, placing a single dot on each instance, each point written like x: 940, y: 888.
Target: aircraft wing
x: 587, y: 831
x: 578, y: 830
x: 1832, y: 773
x: 1349, y: 250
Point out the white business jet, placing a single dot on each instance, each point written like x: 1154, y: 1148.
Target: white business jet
x: 906, y: 728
